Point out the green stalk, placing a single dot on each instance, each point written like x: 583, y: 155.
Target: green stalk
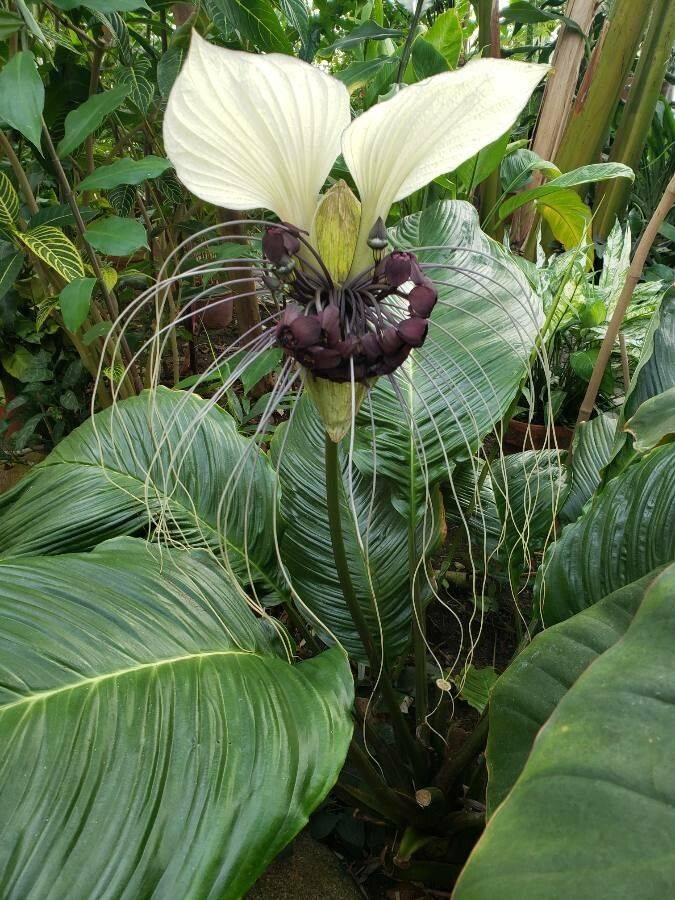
x: 407, y: 47
x: 411, y: 748
x: 487, y: 12
x: 636, y: 119
x: 419, y: 622
x: 598, y: 95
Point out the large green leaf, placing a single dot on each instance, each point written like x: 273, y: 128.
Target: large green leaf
x: 591, y: 451
x: 533, y: 685
x: 593, y: 813
x: 576, y: 178
x: 117, y: 236
x: 82, y: 121
x: 105, y: 479
x: 155, y: 742
x: 22, y: 96
x: 628, y: 530
x: 654, y: 421
x: 124, y: 171
x: 459, y: 385
x: 9, y: 201
x: 256, y: 21
x: 306, y: 548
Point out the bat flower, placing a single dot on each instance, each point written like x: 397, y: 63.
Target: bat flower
x: 247, y: 131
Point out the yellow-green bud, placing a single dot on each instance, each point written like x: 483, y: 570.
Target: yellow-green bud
x: 335, y: 229
x: 333, y: 401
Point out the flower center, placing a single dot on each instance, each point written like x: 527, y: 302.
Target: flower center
x: 358, y: 330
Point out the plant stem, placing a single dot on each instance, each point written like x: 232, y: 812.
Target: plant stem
x: 410, y: 37
x: 412, y: 749
x: 419, y: 622
x: 454, y: 767
x: 110, y: 299
x: 634, y: 273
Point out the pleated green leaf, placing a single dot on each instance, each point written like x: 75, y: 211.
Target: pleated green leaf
x: 458, y: 386
x: 52, y: 246
x: 628, y: 530
x: 155, y: 744
x: 591, y: 452
x: 536, y: 681
x: 306, y: 548
x: 593, y: 813
x: 106, y: 479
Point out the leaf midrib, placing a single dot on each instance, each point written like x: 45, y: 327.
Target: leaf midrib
x: 119, y: 673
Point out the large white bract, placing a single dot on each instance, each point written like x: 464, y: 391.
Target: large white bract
x: 247, y: 131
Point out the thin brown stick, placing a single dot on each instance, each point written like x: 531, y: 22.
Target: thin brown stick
x: 634, y: 273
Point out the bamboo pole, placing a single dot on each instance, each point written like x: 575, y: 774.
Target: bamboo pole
x: 634, y: 273
x: 557, y: 101
x: 593, y: 109
x: 636, y: 119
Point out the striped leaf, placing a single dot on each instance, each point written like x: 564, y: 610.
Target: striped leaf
x: 9, y: 201
x: 51, y: 245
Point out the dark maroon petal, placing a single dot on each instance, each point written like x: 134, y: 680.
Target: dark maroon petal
x: 416, y: 273
x: 422, y: 300
x: 413, y: 331
x: 390, y: 363
x: 330, y: 324
x: 273, y: 244
x: 390, y: 340
x: 290, y: 313
x: 370, y: 347
x: 348, y: 347
x: 397, y: 267
x: 306, y: 331
x: 324, y: 357
x: 291, y: 240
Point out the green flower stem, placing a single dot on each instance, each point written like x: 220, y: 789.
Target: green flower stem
x: 419, y: 622
x: 412, y: 749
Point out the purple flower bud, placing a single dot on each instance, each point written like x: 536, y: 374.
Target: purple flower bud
x: 416, y: 274
x: 413, y: 331
x: 370, y: 347
x: 422, y: 299
x: 390, y: 341
x: 391, y: 362
x: 397, y: 267
x: 322, y: 358
x: 295, y: 331
x: 279, y: 242
x: 330, y: 325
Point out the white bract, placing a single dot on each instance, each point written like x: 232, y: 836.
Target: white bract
x: 246, y: 131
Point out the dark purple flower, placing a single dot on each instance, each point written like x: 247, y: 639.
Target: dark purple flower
x: 329, y: 318
x: 390, y: 341
x: 321, y: 358
x: 370, y: 347
x: 397, y: 267
x: 279, y: 242
x: 413, y: 331
x: 295, y: 331
x: 422, y: 299
x: 392, y: 361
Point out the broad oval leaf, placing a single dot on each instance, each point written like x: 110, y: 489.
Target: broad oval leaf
x: 155, y: 743
x: 458, y: 386
x: 628, y: 530
x: 10, y: 266
x: 536, y: 681
x: 104, y: 480
x: 75, y: 300
x: 593, y: 813
x: 22, y: 96
x: 52, y: 246
x: 124, y: 171
x: 654, y: 421
x: 116, y: 236
x: 81, y: 122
